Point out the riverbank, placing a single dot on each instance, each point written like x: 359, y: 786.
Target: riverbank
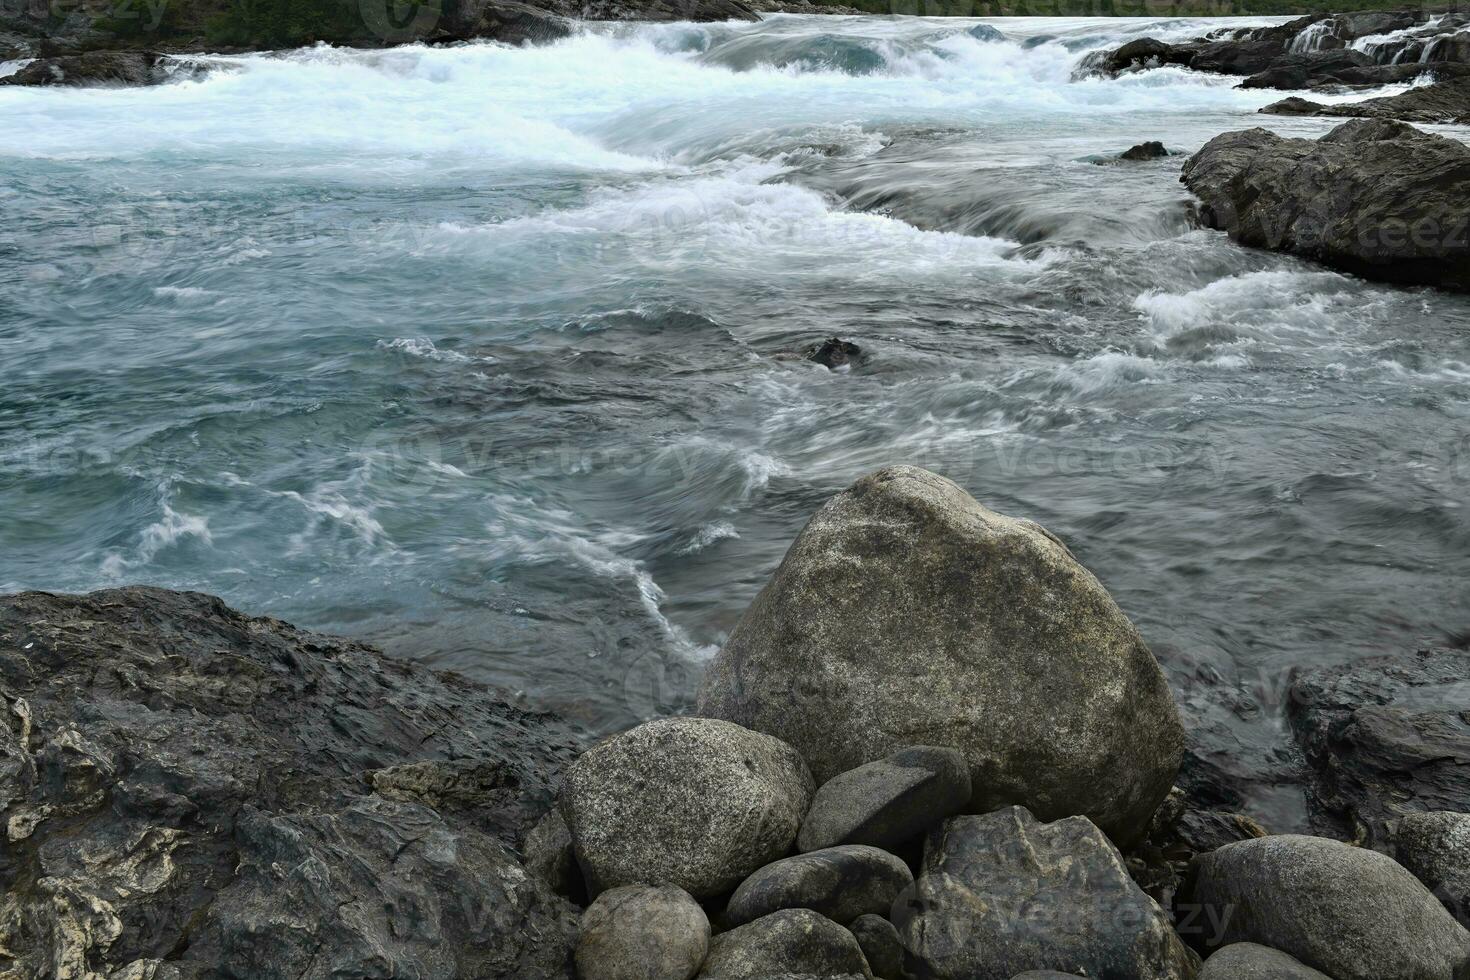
x: 189, y: 792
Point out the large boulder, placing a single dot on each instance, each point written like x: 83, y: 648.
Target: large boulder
x: 183, y: 786
x: 692, y: 802
x: 1383, y: 737
x: 793, y: 941
x: 1373, y: 197
x: 1004, y: 893
x: 841, y: 883
x: 1352, y: 913
x: 1436, y: 848
x: 1249, y: 961
x: 642, y: 932
x: 907, y: 613
x: 889, y: 802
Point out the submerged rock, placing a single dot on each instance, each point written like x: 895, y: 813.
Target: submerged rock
x: 1003, y: 893
x: 834, y: 353
x: 1435, y: 847
x: 1352, y: 913
x: 794, y: 941
x: 1151, y: 150
x: 889, y: 802
x: 693, y: 802
x: 1248, y: 961
x: 841, y: 883
x: 1376, y: 198
x: 906, y: 612
x: 183, y: 783
x: 1382, y: 737
x: 642, y: 932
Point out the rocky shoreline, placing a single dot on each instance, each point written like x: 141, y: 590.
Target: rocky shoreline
x: 932, y: 747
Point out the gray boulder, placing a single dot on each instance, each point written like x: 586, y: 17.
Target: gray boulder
x: 841, y: 883
x: 693, y: 802
x: 888, y: 802
x: 1046, y: 975
x: 907, y: 613
x: 1435, y: 847
x: 1003, y: 893
x: 183, y: 786
x: 1352, y: 913
x: 793, y: 941
x: 880, y: 944
x: 1248, y: 961
x: 642, y: 932
x: 1373, y: 197
x: 1382, y: 737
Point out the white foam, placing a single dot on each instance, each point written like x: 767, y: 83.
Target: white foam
x: 707, y: 535
x: 422, y: 347
x: 171, y: 529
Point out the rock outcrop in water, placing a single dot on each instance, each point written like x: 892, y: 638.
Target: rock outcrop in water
x: 1328, y: 51
x: 184, y: 787
x: 1445, y: 102
x: 1384, y: 737
x: 906, y: 613
x: 1309, y: 48
x: 1372, y: 197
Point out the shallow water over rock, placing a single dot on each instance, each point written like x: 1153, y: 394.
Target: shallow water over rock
x: 492, y: 355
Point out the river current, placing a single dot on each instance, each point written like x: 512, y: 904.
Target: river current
x: 483, y: 354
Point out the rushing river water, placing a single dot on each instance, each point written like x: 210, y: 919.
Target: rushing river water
x: 477, y: 352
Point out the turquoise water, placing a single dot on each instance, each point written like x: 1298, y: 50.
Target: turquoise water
x: 479, y: 352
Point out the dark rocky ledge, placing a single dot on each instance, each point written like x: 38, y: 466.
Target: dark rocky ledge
x: 1444, y: 102
x: 191, y: 792
x: 1374, y: 197
x: 1329, y: 52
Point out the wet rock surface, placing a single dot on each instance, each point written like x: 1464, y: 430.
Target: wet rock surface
x: 1384, y: 737
x: 1373, y: 197
x: 185, y: 787
x: 1004, y: 893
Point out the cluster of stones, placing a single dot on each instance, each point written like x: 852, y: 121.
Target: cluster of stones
x: 925, y: 752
